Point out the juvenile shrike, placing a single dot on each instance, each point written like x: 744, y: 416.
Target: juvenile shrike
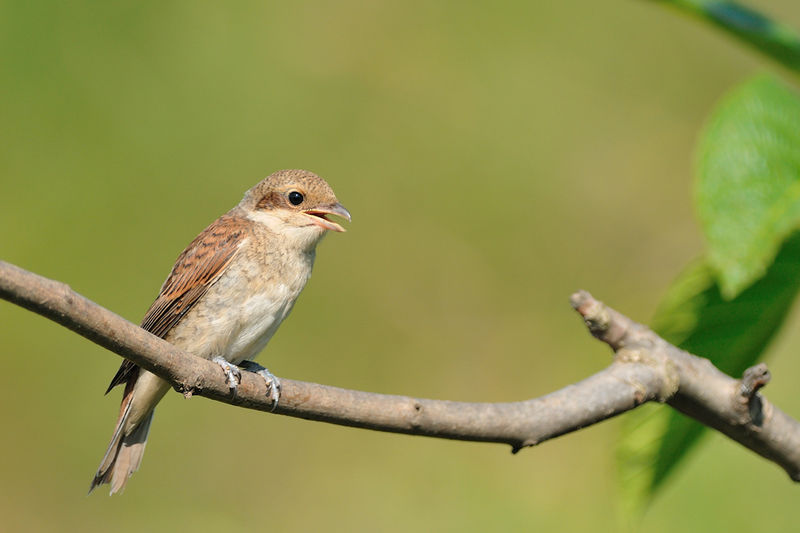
x: 225, y: 297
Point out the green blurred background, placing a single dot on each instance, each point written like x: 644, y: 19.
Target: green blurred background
x: 495, y: 156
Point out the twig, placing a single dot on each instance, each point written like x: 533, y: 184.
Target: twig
x: 646, y: 368
x: 700, y: 390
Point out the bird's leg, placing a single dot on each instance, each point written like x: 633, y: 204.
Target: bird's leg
x: 273, y: 383
x: 232, y: 373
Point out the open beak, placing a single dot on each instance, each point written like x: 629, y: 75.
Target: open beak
x: 319, y: 215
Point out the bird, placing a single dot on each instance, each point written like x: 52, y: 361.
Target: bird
x: 224, y: 298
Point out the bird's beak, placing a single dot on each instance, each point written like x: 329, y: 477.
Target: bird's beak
x: 319, y: 213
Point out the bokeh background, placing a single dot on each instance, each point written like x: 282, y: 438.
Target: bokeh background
x: 495, y: 156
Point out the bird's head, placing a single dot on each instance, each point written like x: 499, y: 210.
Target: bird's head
x: 296, y: 203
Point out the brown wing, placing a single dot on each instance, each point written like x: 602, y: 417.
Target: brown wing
x: 196, y: 269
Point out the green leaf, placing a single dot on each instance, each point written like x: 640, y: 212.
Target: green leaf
x: 747, y: 191
x: 733, y: 334
x: 776, y: 40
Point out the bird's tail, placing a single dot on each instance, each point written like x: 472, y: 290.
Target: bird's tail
x: 124, y: 453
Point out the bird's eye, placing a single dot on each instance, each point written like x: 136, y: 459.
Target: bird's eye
x: 296, y: 198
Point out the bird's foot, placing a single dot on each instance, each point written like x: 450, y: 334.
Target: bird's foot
x: 232, y: 373
x: 273, y: 383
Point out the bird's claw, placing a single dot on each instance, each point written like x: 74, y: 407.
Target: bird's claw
x: 272, y: 382
x: 232, y: 373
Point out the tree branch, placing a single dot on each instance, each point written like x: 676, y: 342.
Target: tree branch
x: 646, y: 368
x: 700, y: 390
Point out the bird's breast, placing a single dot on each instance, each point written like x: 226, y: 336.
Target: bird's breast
x: 258, y: 318
x: 240, y: 313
